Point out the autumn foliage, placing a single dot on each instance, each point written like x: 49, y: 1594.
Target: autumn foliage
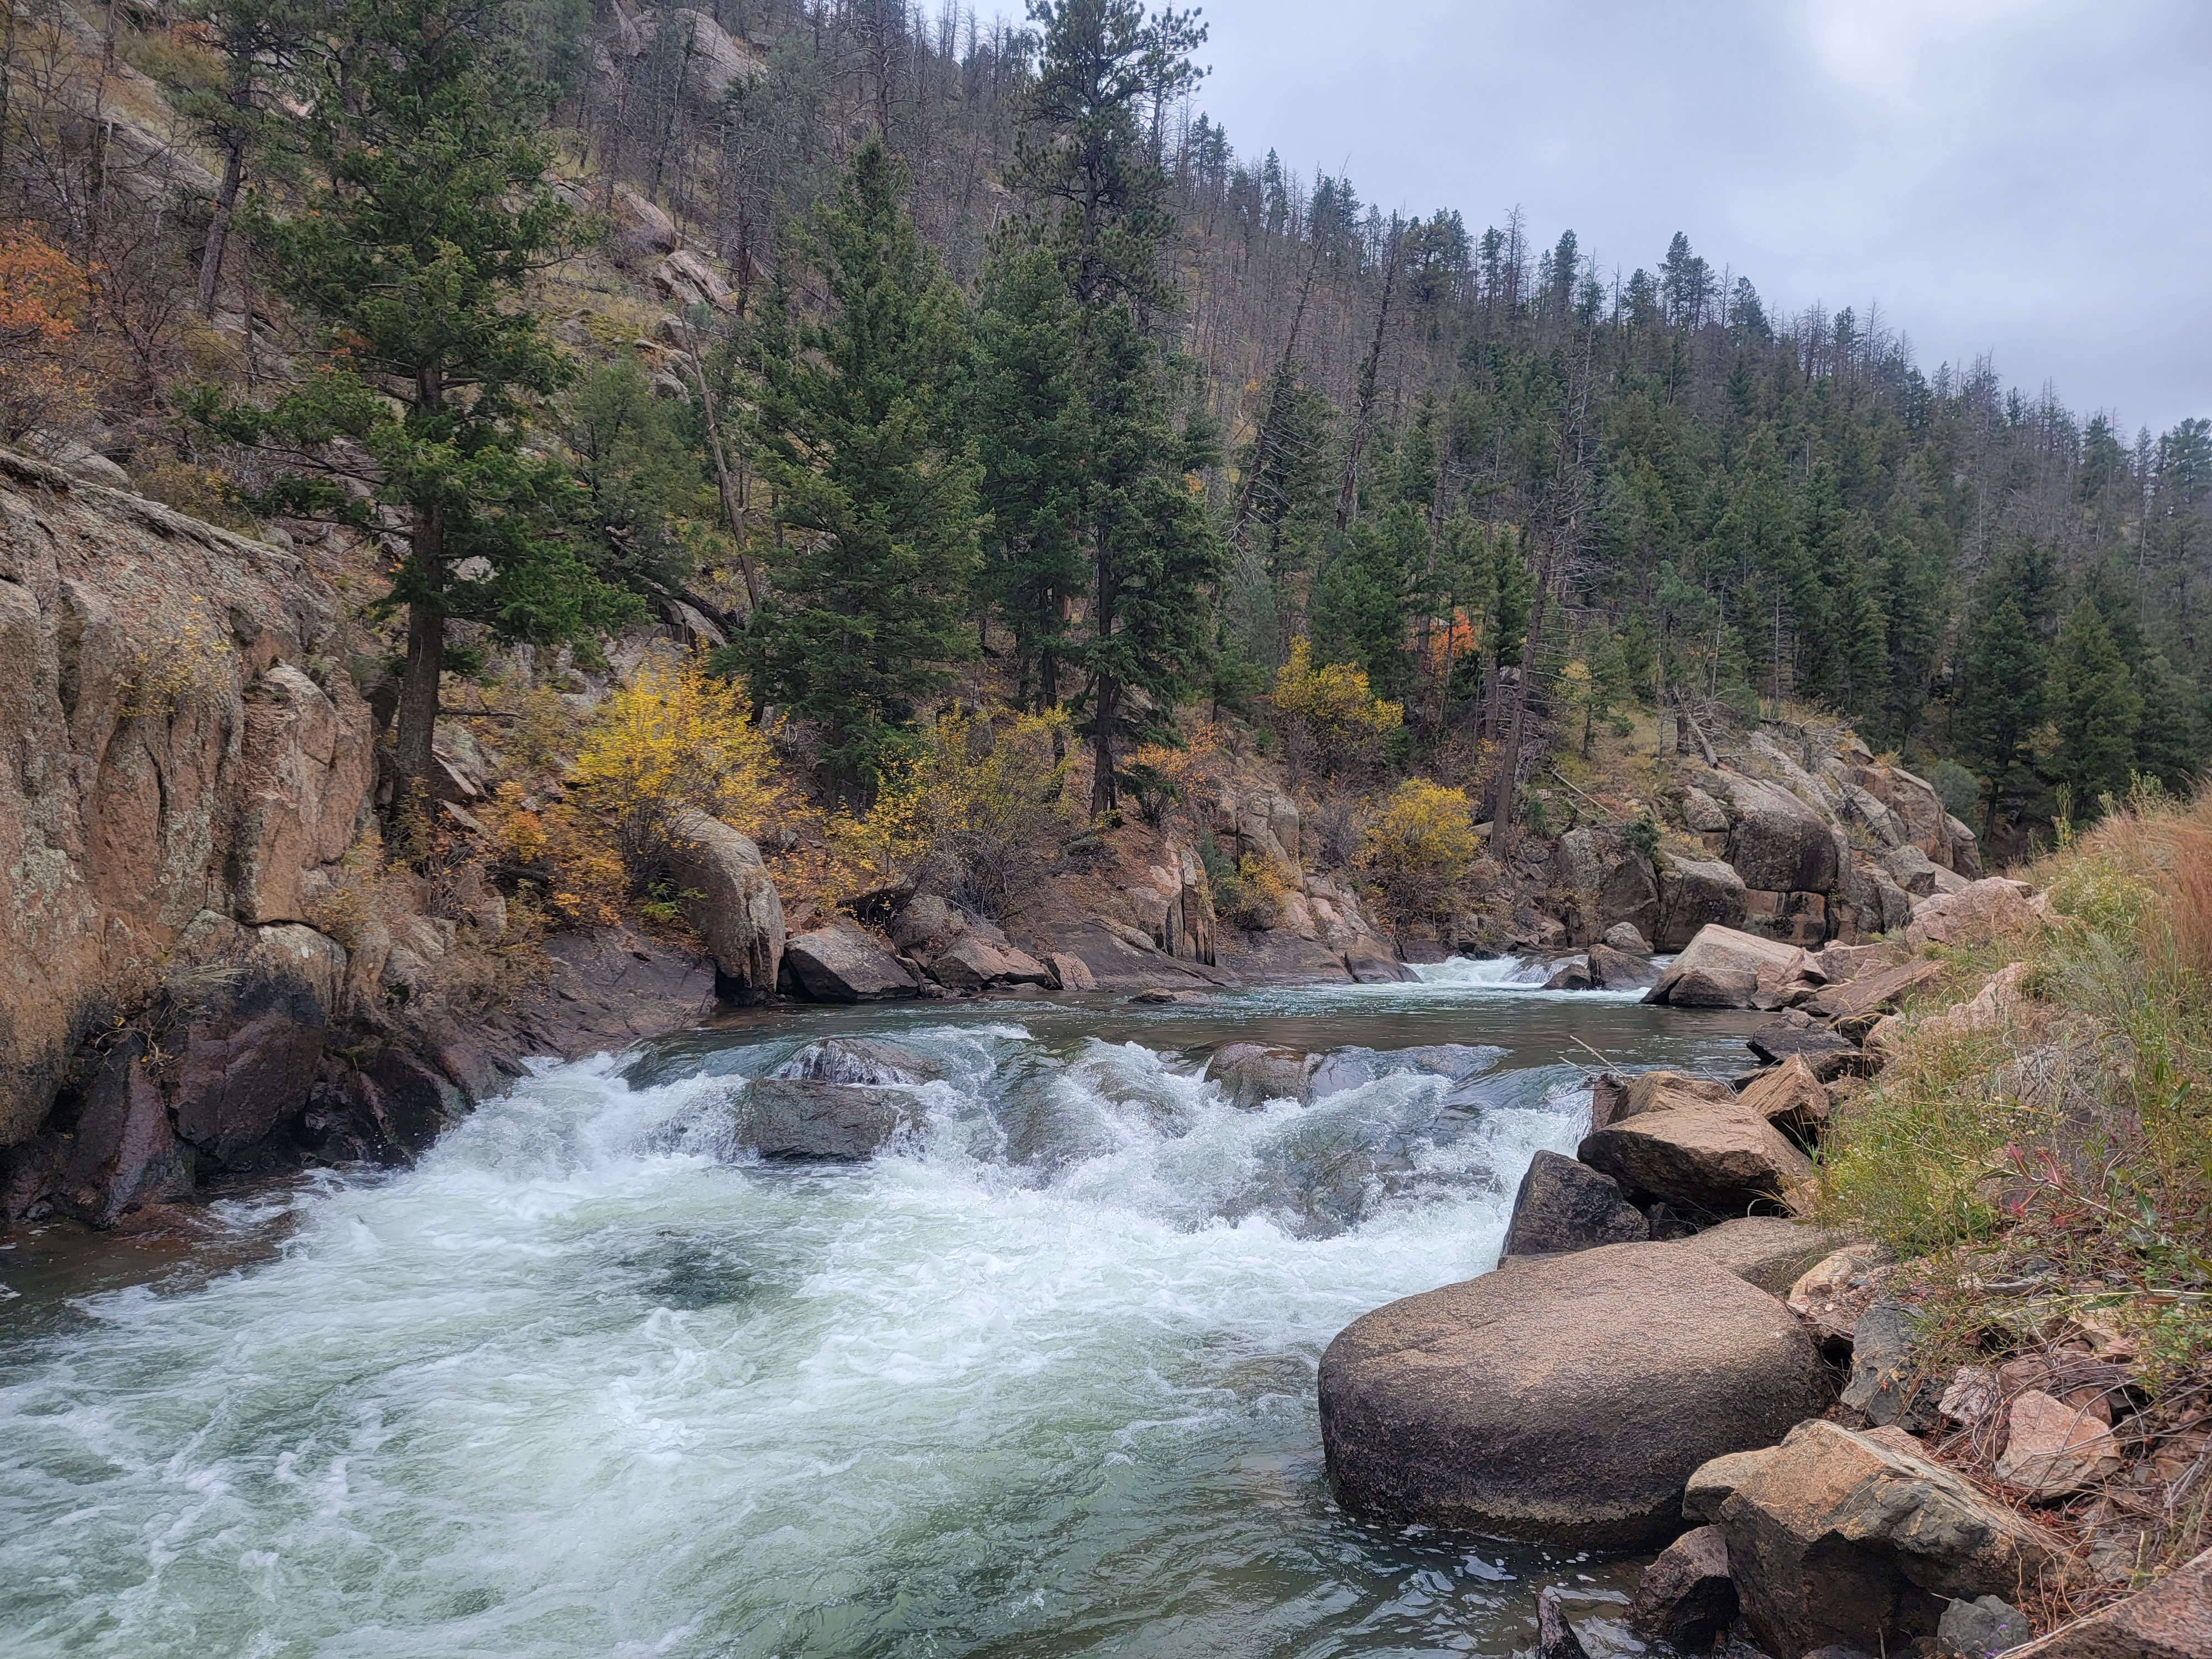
x: 1418, y: 853
x: 673, y: 739
x: 1331, y: 713
x: 42, y: 379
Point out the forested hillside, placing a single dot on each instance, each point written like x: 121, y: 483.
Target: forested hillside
x: 1005, y: 371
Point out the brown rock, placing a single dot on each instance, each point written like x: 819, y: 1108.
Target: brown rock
x: 1838, y: 1538
x: 1616, y: 970
x: 1789, y: 1097
x: 1563, y: 1400
x: 1370, y: 962
x: 1770, y: 1251
x: 1562, y: 1206
x: 1072, y: 973
x: 2171, y: 1619
x: 1777, y: 841
x: 1686, y: 1598
x: 1693, y: 895
x: 1253, y: 1073
x: 1660, y: 1091
x: 1726, y: 951
x: 1980, y: 911
x: 972, y: 961
x: 736, y: 908
x: 1712, y: 988
x: 1701, y: 1157
x: 840, y: 963
x: 1854, y: 1004
x: 2056, y: 1447
x: 1829, y: 1054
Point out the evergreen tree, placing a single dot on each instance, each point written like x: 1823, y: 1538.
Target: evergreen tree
x: 2001, y: 698
x: 2167, y: 746
x: 2093, y: 709
x: 639, y: 479
x: 412, y: 255
x: 1359, y: 602
x: 1151, y: 543
x: 869, y: 593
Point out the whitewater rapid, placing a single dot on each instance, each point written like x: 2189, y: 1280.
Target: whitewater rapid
x: 1037, y: 1381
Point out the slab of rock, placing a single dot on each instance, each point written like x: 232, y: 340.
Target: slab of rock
x: 1837, y: 1537
x: 840, y: 963
x: 1729, y: 952
x: 1694, y: 895
x: 1982, y: 1628
x: 1884, y: 1384
x: 1571, y: 976
x: 1623, y: 936
x: 1854, y: 1004
x: 2056, y: 1447
x: 1829, y: 1053
x: 1564, y: 1401
x: 1712, y: 987
x: 1978, y: 912
x: 972, y: 961
x: 1253, y: 1073
x: 1789, y: 1097
x: 1118, y: 958
x: 1839, y: 963
x: 1617, y: 970
x: 1564, y: 1205
x: 1369, y: 961
x: 729, y: 898
x: 825, y: 1122
x: 1701, y: 1157
x: 2169, y: 1620
x: 1072, y: 973
x: 1770, y: 1251
x: 1686, y: 1598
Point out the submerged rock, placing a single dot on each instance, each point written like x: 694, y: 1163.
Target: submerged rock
x: 1564, y: 1401
x: 1686, y: 1598
x: 832, y: 1122
x: 1253, y: 1073
x: 867, y: 1061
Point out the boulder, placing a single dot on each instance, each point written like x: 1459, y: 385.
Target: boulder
x: 828, y: 1122
x: 1712, y: 987
x: 729, y: 897
x: 1978, y: 912
x: 1837, y: 1537
x: 1789, y: 1097
x: 1564, y: 1205
x: 1616, y: 970
x: 1660, y: 1091
x: 1120, y: 957
x: 973, y: 961
x: 1253, y: 1073
x: 871, y: 1061
x: 1628, y: 896
x: 1571, y: 976
x: 1623, y: 937
x: 925, y: 924
x: 1703, y: 814
x: 1565, y: 1400
x: 1727, y: 956
x: 1853, y: 1004
x: 1578, y: 862
x: 1837, y: 963
x: 1712, y: 1484
x: 1701, y: 1157
x: 840, y: 963
x: 1776, y: 840
x: 1369, y: 961
x: 1828, y: 1053
x: 2169, y: 1620
x: 1072, y: 973
x: 1770, y: 1251
x: 1686, y: 1598
x: 1911, y: 869
x: 1694, y: 895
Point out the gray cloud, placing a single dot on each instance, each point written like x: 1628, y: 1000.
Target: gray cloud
x: 2025, y: 178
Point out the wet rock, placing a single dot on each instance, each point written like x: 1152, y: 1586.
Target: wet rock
x: 828, y: 1122
x: 1555, y: 1637
x: 1073, y: 974
x: 2171, y: 1619
x: 1565, y: 1400
x: 736, y: 908
x: 123, y: 1153
x: 1369, y: 961
x: 1253, y: 1073
x: 1982, y: 1628
x: 1686, y: 1598
x: 1700, y: 1156
x: 1616, y: 970
x: 1883, y: 1384
x: 840, y: 963
x: 2055, y: 1447
x: 1789, y: 1097
x: 1624, y: 936
x: 1571, y: 976
x: 1837, y: 1537
x: 1977, y: 913
x: 1564, y: 1205
x: 1694, y: 895
x: 1712, y: 987
x: 873, y: 1061
x: 1769, y: 1251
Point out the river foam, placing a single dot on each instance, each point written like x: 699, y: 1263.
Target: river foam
x: 1038, y: 1380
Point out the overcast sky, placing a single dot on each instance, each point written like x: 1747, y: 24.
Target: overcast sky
x: 2027, y: 178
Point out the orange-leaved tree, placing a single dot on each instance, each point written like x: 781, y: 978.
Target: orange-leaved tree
x: 43, y: 380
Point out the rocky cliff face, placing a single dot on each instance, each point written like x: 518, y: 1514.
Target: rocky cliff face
x: 180, y: 750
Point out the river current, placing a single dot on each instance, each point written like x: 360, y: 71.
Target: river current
x: 1039, y: 1381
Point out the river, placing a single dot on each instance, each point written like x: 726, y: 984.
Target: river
x: 1040, y: 1382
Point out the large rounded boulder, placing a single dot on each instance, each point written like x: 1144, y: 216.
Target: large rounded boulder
x: 1564, y: 1401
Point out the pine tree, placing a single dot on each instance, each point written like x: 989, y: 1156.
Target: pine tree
x: 412, y: 256
x: 865, y: 617
x: 2167, y: 744
x: 1359, y: 602
x: 2001, y: 698
x: 1152, y: 548
x: 2093, y: 707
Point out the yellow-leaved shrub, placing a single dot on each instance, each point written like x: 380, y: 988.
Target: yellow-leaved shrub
x: 1417, y: 853
x: 1331, y: 713
x: 673, y: 739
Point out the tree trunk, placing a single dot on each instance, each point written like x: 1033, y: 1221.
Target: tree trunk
x: 226, y: 200
x: 426, y: 654
x: 1347, y: 498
